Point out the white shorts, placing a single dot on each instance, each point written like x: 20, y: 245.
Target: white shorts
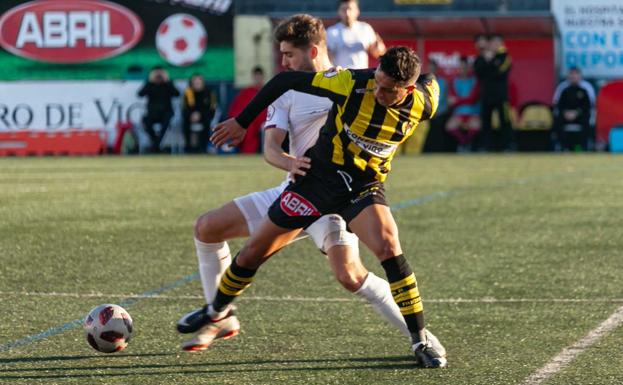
x: 254, y: 208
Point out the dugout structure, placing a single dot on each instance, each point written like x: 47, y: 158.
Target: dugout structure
x: 442, y: 31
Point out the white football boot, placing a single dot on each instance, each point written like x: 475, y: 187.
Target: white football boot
x: 224, y: 328
x: 430, y: 353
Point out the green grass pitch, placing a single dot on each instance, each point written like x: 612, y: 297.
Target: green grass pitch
x: 517, y: 257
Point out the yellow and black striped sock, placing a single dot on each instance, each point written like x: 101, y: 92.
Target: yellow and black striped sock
x: 233, y: 282
x: 406, y: 294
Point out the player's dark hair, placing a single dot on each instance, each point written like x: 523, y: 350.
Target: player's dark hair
x: 257, y: 70
x: 401, y: 63
x: 301, y: 30
x: 340, y: 2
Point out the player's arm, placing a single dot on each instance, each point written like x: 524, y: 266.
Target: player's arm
x: 377, y: 48
x: 334, y: 85
x: 277, y: 157
x: 429, y: 89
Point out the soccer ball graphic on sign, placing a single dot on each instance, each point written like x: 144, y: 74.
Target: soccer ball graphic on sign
x: 108, y: 328
x: 181, y: 39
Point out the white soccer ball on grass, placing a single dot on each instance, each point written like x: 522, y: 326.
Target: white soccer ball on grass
x: 108, y: 328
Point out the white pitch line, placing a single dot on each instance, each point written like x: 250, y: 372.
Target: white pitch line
x: 309, y: 299
x: 568, y: 354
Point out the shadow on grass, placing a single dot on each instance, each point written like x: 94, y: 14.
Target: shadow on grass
x: 386, y: 363
x: 78, y: 357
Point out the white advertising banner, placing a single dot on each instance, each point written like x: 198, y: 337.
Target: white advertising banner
x: 591, y: 33
x: 61, y: 105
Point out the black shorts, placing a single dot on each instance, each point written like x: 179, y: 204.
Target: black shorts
x: 318, y: 194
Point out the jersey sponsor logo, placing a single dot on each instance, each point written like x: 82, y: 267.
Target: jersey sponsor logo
x: 75, y: 31
x: 373, y: 147
x: 295, y: 205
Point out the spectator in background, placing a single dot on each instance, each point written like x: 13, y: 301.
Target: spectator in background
x: 159, y: 90
x: 350, y: 41
x: 492, y: 68
x: 252, y: 140
x: 573, y: 101
x: 464, y: 124
x: 198, y: 107
x: 437, y: 139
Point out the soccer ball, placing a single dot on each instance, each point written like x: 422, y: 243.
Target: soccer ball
x: 181, y: 39
x: 108, y: 328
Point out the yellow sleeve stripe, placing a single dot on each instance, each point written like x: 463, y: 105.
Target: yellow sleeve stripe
x: 507, y: 63
x: 339, y: 83
x: 403, y: 282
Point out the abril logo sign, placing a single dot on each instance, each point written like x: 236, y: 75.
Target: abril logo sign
x: 69, y: 31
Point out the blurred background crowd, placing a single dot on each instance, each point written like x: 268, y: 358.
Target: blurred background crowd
x: 155, y: 76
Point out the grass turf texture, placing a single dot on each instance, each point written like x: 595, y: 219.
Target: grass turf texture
x: 473, y: 227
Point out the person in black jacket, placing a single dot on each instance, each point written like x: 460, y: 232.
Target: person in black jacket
x: 198, y: 106
x: 159, y: 90
x: 572, y: 113
x: 492, y: 68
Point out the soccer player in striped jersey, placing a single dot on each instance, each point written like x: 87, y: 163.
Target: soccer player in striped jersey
x: 374, y: 111
x: 302, y: 44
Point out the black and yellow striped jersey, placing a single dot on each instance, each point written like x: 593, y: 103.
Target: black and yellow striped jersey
x: 360, y: 135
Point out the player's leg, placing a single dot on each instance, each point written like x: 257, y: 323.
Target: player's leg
x: 342, y: 249
x: 376, y: 228
x: 263, y: 243
x: 212, y: 230
x: 235, y: 219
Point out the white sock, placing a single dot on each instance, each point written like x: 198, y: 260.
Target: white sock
x: 214, y: 259
x: 376, y: 291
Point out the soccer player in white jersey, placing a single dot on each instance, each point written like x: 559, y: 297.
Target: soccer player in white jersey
x: 350, y: 40
x: 302, y: 44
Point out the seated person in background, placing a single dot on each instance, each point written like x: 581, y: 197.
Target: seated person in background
x: 159, y: 90
x: 198, y: 108
x: 464, y: 123
x: 573, y: 101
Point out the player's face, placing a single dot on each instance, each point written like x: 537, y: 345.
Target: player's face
x: 348, y: 12
x: 388, y: 91
x: 294, y: 58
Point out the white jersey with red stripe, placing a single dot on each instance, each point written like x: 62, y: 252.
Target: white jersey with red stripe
x: 302, y: 115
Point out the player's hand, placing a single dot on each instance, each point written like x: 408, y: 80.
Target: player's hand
x: 228, y: 131
x: 299, y: 166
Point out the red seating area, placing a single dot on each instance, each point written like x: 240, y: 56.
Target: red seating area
x: 66, y: 142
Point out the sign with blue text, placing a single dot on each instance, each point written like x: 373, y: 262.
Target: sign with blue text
x: 591, y: 33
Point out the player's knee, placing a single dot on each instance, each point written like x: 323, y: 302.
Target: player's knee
x: 388, y: 246
x: 340, y: 238
x: 330, y: 231
x: 206, y: 228
x: 351, y: 278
